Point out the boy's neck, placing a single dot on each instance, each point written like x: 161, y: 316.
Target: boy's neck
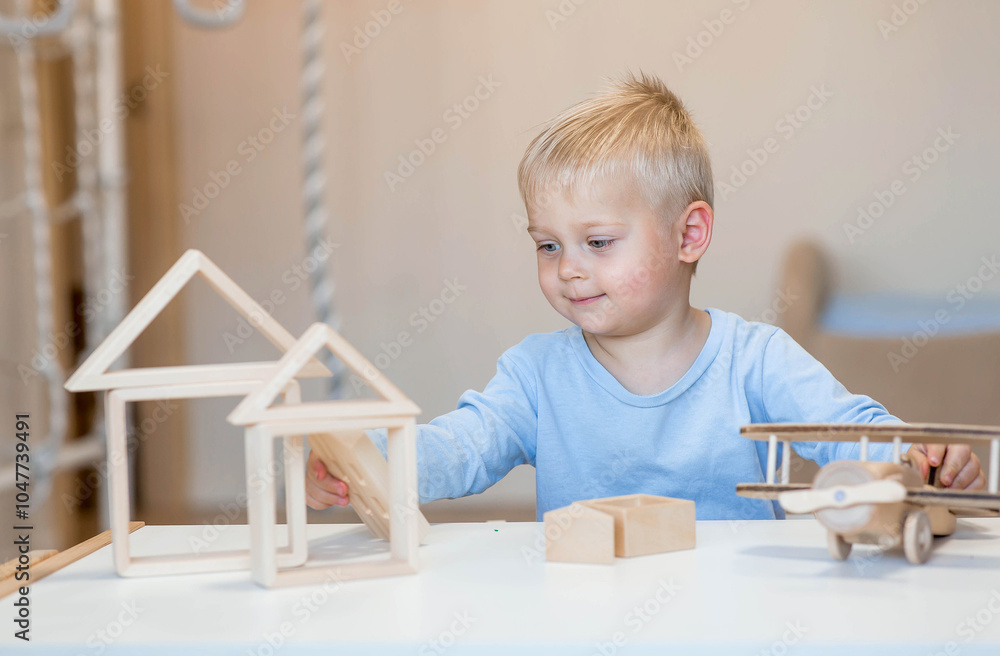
x: 650, y: 362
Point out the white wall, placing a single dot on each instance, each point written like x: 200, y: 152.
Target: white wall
x: 452, y: 219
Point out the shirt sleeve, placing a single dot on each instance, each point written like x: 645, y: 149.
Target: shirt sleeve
x: 472, y: 447
x: 796, y: 387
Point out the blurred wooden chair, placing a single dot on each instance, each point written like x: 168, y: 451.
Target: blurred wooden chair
x: 950, y: 378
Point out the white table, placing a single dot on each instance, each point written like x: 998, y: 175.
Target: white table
x: 748, y: 588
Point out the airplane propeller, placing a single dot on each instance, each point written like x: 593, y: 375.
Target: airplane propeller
x: 842, y: 496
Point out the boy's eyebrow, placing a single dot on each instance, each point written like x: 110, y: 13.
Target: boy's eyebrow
x: 588, y: 224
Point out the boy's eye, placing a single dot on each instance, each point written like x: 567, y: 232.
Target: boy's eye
x: 601, y: 244
x: 548, y: 247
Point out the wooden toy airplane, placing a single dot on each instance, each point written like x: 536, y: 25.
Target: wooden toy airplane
x: 862, y: 502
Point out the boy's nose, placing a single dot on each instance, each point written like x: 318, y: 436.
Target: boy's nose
x: 569, y: 268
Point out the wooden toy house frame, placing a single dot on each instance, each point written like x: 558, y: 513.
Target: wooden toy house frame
x: 118, y: 485
x: 324, y: 420
x: 185, y: 382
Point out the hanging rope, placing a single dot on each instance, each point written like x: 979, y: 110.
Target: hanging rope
x: 314, y: 183
x: 84, y: 84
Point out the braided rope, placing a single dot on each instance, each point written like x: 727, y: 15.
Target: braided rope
x: 314, y: 183
x: 84, y: 84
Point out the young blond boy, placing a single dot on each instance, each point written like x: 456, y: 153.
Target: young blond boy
x: 644, y: 393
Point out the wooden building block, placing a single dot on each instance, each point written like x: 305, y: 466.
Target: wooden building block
x: 579, y: 534
x: 401, y: 503
x: 382, y: 490
x: 354, y: 459
x: 648, y: 524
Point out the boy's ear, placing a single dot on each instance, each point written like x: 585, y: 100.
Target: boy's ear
x: 696, y: 223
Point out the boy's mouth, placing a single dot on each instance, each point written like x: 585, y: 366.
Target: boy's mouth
x: 585, y: 300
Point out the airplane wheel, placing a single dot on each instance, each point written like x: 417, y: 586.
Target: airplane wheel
x: 917, y: 537
x: 839, y: 548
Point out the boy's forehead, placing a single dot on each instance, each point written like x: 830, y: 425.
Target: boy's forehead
x: 586, y: 209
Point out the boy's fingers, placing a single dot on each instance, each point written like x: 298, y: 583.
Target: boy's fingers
x: 955, y: 460
x: 968, y: 475
x: 319, y: 469
x: 315, y: 505
x: 935, y: 453
x: 333, y: 485
x: 323, y: 498
x: 918, y: 459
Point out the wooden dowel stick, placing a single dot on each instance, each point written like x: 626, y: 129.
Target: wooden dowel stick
x: 62, y: 559
x: 9, y: 568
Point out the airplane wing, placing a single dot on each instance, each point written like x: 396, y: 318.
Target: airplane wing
x: 958, y: 499
x: 768, y: 490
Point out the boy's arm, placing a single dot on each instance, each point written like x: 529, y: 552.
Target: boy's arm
x: 796, y: 387
x: 471, y: 448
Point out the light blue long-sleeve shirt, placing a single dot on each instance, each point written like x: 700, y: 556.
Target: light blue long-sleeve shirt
x: 554, y: 406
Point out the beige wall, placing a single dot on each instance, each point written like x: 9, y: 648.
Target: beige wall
x: 457, y: 216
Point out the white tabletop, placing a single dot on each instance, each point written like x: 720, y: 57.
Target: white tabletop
x: 749, y: 587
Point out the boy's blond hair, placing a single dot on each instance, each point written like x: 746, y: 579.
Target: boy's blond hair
x: 638, y: 131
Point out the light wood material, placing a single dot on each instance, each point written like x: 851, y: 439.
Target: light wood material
x: 647, y: 524
x: 404, y: 515
x: 9, y: 568
x: 994, y: 467
x: 868, y: 507
x: 955, y: 499
x: 803, y: 502
x: 255, y: 408
x: 191, y: 382
x: 786, y: 462
x: 391, y: 511
x: 772, y: 450
x: 59, y: 560
x: 864, y: 502
x: 924, y: 433
x: 188, y: 375
x: 93, y: 374
x: 579, y: 534
x: 119, y: 498
x: 354, y: 459
x: 360, y: 409
x: 766, y: 490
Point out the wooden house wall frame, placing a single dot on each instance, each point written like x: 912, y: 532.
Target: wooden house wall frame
x: 263, y: 424
x: 184, y: 382
x: 293, y: 555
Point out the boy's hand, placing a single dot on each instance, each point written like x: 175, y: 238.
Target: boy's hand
x: 958, y: 467
x: 323, y: 489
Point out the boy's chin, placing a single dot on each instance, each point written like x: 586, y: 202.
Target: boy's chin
x: 598, y: 328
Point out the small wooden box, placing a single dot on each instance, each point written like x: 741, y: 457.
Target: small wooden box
x: 648, y: 524
x: 578, y: 534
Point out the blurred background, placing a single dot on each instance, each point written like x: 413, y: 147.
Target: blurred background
x: 370, y: 146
